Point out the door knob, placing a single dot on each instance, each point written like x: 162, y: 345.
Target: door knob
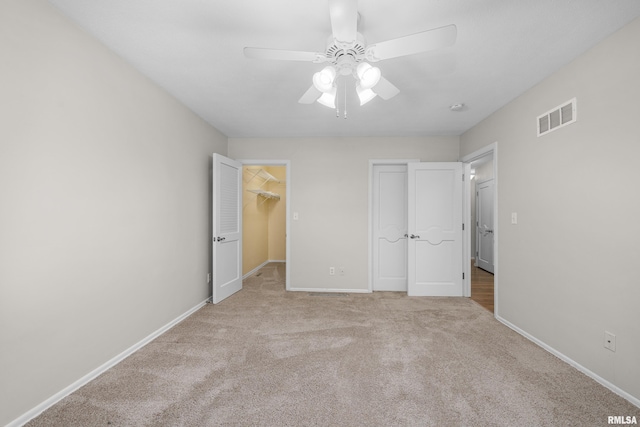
x: 220, y: 239
x: 413, y: 236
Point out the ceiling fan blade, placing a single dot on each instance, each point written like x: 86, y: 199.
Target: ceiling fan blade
x: 385, y: 89
x: 282, y: 55
x: 310, y: 96
x: 415, y: 43
x: 344, y: 19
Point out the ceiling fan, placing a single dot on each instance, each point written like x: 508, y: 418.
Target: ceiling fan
x: 348, y: 54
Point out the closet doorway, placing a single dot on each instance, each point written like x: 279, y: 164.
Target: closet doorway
x: 265, y: 215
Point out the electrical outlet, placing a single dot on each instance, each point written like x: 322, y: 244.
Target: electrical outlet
x: 609, y: 341
x: 341, y: 270
x: 209, y: 278
x: 332, y: 271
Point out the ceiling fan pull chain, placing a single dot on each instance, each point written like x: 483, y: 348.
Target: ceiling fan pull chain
x: 337, y: 103
x: 345, y: 100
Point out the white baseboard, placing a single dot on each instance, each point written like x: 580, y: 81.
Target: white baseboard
x: 587, y: 372
x: 345, y: 291
x: 255, y: 270
x: 29, y: 415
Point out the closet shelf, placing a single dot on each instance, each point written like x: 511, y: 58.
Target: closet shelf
x: 266, y: 176
x: 266, y: 194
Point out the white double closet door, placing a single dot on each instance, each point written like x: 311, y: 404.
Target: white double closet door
x: 417, y: 228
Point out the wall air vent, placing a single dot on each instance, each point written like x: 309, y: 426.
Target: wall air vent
x: 560, y: 116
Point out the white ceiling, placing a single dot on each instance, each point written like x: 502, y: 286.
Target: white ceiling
x: 194, y: 49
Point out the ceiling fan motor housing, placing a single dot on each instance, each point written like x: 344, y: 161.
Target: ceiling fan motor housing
x: 345, y: 56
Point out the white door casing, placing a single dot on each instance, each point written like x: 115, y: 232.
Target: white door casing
x: 485, y: 238
x: 435, y: 264
x: 227, y: 227
x: 389, y: 199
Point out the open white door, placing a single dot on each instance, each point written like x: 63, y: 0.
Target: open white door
x: 484, y: 204
x: 227, y: 227
x: 435, y: 229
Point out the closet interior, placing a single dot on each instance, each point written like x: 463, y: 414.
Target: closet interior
x: 263, y: 216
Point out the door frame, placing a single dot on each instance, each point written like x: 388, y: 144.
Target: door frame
x: 372, y: 163
x: 491, y: 149
x: 287, y: 165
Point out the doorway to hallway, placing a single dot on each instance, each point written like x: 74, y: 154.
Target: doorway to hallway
x: 482, y: 287
x: 482, y: 167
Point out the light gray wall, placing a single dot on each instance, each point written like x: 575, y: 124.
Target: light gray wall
x: 105, y: 205
x: 568, y: 269
x: 330, y: 191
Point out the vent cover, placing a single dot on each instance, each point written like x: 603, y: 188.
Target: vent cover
x: 558, y: 117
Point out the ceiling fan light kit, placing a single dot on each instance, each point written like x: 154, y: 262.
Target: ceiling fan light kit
x: 347, y: 51
x: 323, y: 80
x: 365, y: 95
x: 369, y: 76
x: 328, y: 98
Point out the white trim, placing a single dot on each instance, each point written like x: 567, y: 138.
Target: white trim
x: 466, y: 233
x: 482, y: 152
x: 31, y: 414
x: 635, y: 401
x: 372, y: 163
x: 328, y: 290
x: 287, y: 165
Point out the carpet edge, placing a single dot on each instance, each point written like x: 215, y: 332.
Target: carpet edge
x: 37, y: 410
x: 617, y: 390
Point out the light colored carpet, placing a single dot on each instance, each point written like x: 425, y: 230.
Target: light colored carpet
x: 265, y: 357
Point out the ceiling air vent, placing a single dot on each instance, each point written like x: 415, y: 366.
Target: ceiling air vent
x: 560, y: 116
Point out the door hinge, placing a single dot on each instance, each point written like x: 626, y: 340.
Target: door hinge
x: 462, y: 276
x: 463, y: 226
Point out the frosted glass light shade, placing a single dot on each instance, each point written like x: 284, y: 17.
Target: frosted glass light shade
x: 369, y: 76
x: 323, y: 80
x: 328, y: 99
x: 365, y: 95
